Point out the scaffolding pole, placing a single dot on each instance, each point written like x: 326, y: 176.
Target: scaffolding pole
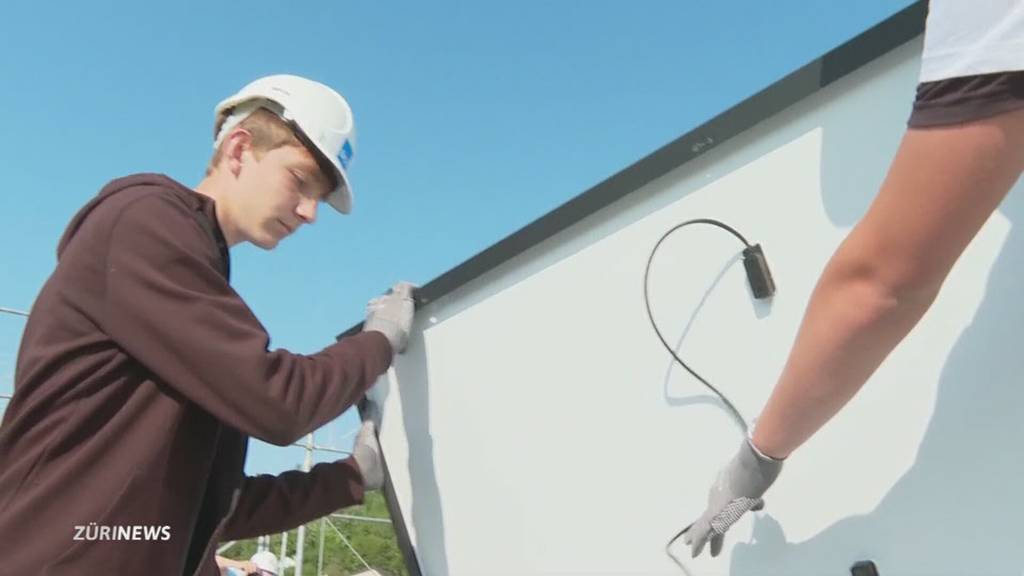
x: 300, y: 541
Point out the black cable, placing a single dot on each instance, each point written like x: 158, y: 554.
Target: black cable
x: 760, y: 281
x: 761, y: 284
x: 668, y: 547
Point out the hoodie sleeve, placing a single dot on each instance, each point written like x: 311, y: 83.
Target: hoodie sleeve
x: 168, y: 306
x: 269, y: 504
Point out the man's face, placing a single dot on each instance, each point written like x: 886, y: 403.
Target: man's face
x: 276, y: 194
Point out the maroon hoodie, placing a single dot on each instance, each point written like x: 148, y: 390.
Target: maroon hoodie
x: 140, y: 377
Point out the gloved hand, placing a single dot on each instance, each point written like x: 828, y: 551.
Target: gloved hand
x: 366, y: 452
x: 391, y: 315
x: 738, y: 488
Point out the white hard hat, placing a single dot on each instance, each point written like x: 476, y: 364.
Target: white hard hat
x: 320, y: 115
x: 265, y: 561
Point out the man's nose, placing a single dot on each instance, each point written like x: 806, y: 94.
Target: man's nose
x: 306, y: 210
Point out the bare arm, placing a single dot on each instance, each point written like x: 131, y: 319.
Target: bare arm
x: 943, y: 185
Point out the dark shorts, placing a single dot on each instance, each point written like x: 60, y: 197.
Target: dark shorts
x: 965, y: 99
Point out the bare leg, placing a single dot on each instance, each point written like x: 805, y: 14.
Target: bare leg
x: 942, y: 186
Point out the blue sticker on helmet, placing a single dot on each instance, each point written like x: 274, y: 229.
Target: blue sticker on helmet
x: 345, y: 155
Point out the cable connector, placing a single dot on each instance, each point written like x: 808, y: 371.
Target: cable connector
x: 758, y: 274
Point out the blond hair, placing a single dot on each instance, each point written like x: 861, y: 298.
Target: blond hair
x: 268, y: 132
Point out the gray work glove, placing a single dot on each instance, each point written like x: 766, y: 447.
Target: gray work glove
x: 738, y: 488
x: 366, y: 452
x: 391, y: 315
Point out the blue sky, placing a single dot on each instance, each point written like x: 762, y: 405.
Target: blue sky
x: 473, y: 118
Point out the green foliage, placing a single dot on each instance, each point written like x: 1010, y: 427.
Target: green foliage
x: 375, y: 542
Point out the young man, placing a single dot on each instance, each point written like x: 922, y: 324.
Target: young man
x: 962, y: 153
x: 142, y: 373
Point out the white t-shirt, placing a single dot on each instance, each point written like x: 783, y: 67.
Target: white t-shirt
x: 969, y: 37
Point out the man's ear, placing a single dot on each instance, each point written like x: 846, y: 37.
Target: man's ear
x: 236, y: 144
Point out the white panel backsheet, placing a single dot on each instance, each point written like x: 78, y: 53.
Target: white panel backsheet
x: 536, y: 426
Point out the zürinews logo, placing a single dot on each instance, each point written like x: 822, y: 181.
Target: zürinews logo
x: 94, y: 532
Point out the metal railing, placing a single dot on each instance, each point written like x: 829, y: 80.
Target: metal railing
x: 13, y: 312
x: 263, y: 543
